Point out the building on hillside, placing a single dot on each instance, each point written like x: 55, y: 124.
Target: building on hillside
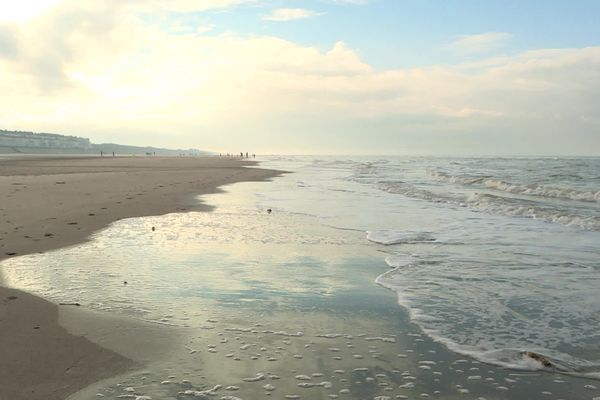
x: 42, y: 140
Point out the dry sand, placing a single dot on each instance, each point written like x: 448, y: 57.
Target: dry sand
x: 50, y: 202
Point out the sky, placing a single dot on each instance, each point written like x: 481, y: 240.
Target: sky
x: 461, y: 77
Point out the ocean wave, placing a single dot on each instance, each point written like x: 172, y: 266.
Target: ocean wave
x: 485, y: 202
x: 389, y: 237
x: 500, y: 336
x: 409, y: 190
x: 460, y: 179
x: 543, y: 191
x: 367, y: 170
x: 521, y: 208
x: 519, y: 188
x: 398, y: 261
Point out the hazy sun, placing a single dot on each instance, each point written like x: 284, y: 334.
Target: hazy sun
x: 17, y: 11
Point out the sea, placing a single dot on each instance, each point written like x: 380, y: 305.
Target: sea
x: 359, y: 278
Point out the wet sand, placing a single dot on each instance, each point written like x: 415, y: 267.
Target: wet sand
x: 332, y: 349
x: 49, y: 203
x: 40, y: 359
x: 286, y: 310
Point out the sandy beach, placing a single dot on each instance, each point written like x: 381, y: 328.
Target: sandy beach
x: 49, y: 203
x: 308, y: 301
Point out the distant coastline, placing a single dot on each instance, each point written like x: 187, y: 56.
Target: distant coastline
x: 25, y: 142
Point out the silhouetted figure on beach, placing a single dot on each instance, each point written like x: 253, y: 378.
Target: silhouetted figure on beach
x: 101, y: 154
x: 242, y: 154
x: 253, y: 155
x: 246, y: 154
x: 113, y: 153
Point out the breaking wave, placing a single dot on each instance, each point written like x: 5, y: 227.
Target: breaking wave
x: 508, y: 206
x: 519, y: 188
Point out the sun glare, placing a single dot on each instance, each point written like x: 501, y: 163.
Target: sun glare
x: 22, y: 11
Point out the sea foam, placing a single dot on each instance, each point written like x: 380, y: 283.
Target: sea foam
x: 389, y: 237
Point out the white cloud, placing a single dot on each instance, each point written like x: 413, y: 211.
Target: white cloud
x: 17, y: 11
x: 482, y: 42
x: 290, y: 14
x: 110, y: 75
x: 179, y: 5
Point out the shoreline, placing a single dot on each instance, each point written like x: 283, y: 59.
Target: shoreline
x: 38, y: 212
x: 279, y: 303
x: 55, y: 202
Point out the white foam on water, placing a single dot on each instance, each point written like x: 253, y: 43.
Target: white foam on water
x: 398, y: 261
x: 495, y: 315
x: 501, y: 205
x: 521, y: 208
x: 529, y: 189
x: 389, y: 237
x: 410, y: 190
x: 543, y: 191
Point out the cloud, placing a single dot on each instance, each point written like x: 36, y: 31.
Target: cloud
x: 102, y: 71
x: 290, y: 14
x: 25, y: 11
x: 8, y: 41
x: 14, y: 11
x: 479, y: 43
x: 180, y: 6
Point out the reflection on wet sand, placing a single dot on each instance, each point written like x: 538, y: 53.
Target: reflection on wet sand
x: 264, y: 305
x: 333, y: 349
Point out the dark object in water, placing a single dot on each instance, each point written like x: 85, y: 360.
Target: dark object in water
x: 12, y: 297
x: 539, y: 358
x: 124, y: 282
x: 269, y: 210
x: 69, y: 304
x: 153, y: 229
x: 11, y: 253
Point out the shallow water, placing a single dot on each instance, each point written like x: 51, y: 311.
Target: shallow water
x: 517, y: 272
x: 293, y: 293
